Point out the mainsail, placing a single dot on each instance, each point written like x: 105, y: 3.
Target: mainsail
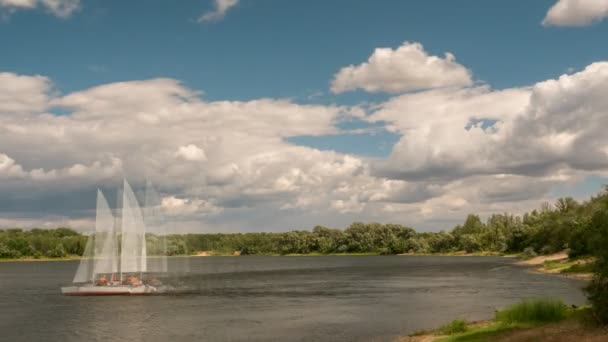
x: 105, y: 238
x: 155, y: 223
x: 133, y: 237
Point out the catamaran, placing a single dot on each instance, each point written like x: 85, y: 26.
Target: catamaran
x: 112, y: 268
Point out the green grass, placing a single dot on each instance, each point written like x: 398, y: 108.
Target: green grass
x: 579, y: 268
x: 579, y: 265
x: 454, y: 327
x: 526, y: 314
x: 533, y: 311
x: 480, y: 334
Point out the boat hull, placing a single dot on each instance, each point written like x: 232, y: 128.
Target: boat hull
x: 94, y: 290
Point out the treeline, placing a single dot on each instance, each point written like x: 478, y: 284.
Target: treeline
x: 51, y: 243
x: 552, y: 228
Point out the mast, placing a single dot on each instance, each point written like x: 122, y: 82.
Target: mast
x: 133, y: 248
x: 118, y: 230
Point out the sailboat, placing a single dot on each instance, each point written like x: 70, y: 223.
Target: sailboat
x: 107, y: 266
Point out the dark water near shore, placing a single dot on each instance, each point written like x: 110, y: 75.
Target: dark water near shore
x: 357, y: 298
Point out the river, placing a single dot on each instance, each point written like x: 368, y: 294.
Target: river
x: 334, y: 298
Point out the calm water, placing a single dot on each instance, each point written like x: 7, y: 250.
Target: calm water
x: 274, y: 299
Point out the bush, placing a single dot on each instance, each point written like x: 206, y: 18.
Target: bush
x: 597, y: 291
x: 454, y: 327
x: 57, y: 252
x: 6, y: 252
x: 533, y: 311
x: 528, y: 253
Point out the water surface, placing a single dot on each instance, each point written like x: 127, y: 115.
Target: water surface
x: 358, y: 298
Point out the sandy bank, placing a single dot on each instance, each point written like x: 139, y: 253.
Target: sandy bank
x: 540, y: 260
x: 557, y: 264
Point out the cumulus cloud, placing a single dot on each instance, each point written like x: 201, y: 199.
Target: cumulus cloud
x: 20, y: 93
x: 576, y: 12
x: 59, y: 8
x: 408, y: 67
x: 546, y: 129
x: 221, y: 7
x: 163, y: 130
x: 227, y: 165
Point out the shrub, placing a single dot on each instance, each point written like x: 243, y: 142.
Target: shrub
x: 533, y: 311
x: 454, y: 327
x: 597, y: 291
x: 528, y: 253
x: 6, y: 252
x: 57, y: 252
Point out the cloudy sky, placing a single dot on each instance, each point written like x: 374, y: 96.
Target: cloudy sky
x: 272, y: 115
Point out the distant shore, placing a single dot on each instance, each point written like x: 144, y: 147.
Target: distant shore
x: 554, y: 264
x: 33, y: 259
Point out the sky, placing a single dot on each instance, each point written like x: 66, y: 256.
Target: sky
x: 271, y: 115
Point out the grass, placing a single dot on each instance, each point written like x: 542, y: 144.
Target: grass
x: 533, y: 311
x: 454, y: 327
x: 525, y: 314
x: 579, y: 268
x: 581, y: 265
x: 483, y: 334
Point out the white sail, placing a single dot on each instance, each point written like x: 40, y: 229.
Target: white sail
x: 105, y: 241
x: 133, y: 248
x: 155, y: 223
x: 84, y: 273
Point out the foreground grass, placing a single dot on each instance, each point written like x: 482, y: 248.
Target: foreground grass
x: 529, y: 320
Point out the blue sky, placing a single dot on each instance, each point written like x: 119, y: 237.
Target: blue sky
x: 292, y: 50
x: 275, y: 48
x: 282, y: 49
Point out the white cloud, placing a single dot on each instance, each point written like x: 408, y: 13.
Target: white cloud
x: 409, y: 67
x: 59, y: 8
x: 220, y: 10
x: 576, y: 12
x: 19, y: 94
x: 451, y: 134
x: 191, y: 152
x: 227, y: 165
x: 187, y: 207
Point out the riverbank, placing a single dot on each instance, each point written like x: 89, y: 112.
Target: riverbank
x: 560, y: 264
x: 541, y: 320
x: 33, y: 259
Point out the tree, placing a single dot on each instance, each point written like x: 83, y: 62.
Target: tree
x: 597, y: 291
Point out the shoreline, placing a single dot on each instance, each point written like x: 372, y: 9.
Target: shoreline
x: 575, y: 325
x: 558, y: 264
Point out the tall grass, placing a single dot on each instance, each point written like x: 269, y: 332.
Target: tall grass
x: 533, y: 311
